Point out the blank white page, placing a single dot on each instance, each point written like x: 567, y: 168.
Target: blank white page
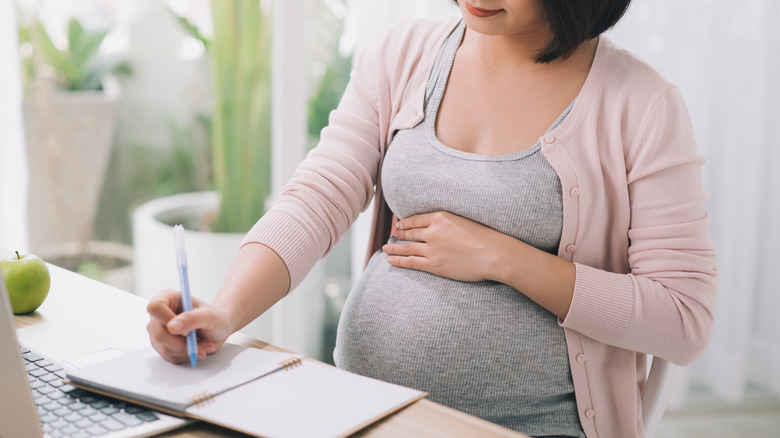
x: 145, y: 376
x: 311, y: 400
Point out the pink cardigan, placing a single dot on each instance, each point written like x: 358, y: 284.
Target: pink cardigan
x: 634, y: 223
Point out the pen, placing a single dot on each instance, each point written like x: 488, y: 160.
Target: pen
x: 186, y: 299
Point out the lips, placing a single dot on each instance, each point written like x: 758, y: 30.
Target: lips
x: 481, y: 13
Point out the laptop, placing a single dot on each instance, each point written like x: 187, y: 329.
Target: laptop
x: 36, y: 403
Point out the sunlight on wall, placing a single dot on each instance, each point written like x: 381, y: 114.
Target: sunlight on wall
x: 13, y: 175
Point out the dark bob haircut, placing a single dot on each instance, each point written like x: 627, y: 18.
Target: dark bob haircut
x: 576, y: 21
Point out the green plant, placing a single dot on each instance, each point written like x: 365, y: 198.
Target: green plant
x: 240, y: 55
x: 240, y: 51
x: 240, y: 121
x: 182, y: 168
x: 78, y: 66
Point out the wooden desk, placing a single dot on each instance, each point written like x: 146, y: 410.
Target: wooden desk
x: 75, y: 297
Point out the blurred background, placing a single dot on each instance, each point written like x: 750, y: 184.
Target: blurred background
x: 119, y: 118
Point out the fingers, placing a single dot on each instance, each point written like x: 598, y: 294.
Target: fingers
x: 411, y: 262
x: 164, y: 305
x: 171, y: 347
x: 410, y: 235
x: 417, y: 221
x: 404, y: 249
x: 407, y: 255
x: 184, y: 323
x: 163, y: 311
x: 418, y: 228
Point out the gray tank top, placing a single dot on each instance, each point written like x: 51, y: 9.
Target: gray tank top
x: 480, y: 347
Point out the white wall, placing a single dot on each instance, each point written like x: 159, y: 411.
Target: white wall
x: 13, y: 163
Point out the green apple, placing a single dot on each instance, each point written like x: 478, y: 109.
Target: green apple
x: 27, y: 280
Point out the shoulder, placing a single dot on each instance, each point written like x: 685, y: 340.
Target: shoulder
x: 626, y: 76
x: 416, y: 36
x: 395, y: 69
x: 407, y: 49
x: 632, y: 96
x: 653, y: 118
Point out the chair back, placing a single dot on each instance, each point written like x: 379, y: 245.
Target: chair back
x: 658, y: 389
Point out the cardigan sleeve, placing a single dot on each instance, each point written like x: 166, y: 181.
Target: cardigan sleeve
x: 332, y: 185
x: 664, y: 305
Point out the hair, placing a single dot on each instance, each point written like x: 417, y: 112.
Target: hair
x: 575, y: 21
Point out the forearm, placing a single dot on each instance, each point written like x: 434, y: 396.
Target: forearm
x: 545, y: 278
x: 257, y: 279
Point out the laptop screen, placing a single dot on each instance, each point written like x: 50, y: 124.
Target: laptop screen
x: 18, y: 414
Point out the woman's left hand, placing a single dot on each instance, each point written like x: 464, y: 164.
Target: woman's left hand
x: 444, y: 244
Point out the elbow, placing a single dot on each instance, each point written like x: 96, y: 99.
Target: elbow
x: 697, y: 328
x: 693, y: 351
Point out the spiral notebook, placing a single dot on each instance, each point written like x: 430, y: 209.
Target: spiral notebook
x: 258, y: 392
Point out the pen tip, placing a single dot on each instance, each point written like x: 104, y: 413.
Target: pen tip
x: 194, y: 360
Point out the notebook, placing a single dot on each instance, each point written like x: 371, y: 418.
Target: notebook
x: 34, y: 401
x: 258, y: 392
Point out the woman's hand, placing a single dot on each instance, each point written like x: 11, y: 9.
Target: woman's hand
x: 168, y: 326
x: 444, y: 244
x: 454, y: 247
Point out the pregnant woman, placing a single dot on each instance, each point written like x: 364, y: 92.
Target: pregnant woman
x: 539, y: 221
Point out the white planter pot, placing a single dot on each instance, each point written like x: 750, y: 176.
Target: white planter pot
x: 107, y: 262
x: 69, y: 137
x: 294, y: 323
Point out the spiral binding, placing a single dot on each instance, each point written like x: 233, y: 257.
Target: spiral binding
x: 202, y: 398
x: 291, y: 363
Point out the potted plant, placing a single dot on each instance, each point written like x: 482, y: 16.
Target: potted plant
x: 239, y: 124
x: 71, y: 95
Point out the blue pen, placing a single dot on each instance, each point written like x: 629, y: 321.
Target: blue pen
x: 186, y: 299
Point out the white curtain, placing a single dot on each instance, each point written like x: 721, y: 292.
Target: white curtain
x: 367, y: 20
x: 13, y: 163
x: 722, y: 55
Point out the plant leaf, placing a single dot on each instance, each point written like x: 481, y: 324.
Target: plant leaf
x: 49, y: 52
x: 83, y: 51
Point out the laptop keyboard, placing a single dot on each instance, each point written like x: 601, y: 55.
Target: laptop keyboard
x: 67, y: 411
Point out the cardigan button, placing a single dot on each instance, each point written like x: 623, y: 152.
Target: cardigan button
x: 580, y: 358
x: 549, y: 138
x: 590, y: 413
x: 571, y: 248
x: 575, y: 192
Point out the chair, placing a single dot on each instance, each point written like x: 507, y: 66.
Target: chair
x: 658, y: 389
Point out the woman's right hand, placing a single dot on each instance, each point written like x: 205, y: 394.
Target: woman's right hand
x: 168, y: 326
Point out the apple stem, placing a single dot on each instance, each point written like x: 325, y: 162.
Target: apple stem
x: 18, y: 257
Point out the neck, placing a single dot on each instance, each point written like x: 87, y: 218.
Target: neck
x: 506, y: 51
x: 517, y: 53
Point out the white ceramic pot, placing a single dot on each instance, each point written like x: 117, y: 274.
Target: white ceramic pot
x: 107, y: 262
x: 69, y: 137
x: 294, y: 323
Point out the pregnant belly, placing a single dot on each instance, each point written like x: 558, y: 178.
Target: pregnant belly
x: 464, y: 343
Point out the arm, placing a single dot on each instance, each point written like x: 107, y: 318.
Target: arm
x: 257, y: 279
x: 330, y: 188
x: 663, y: 303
